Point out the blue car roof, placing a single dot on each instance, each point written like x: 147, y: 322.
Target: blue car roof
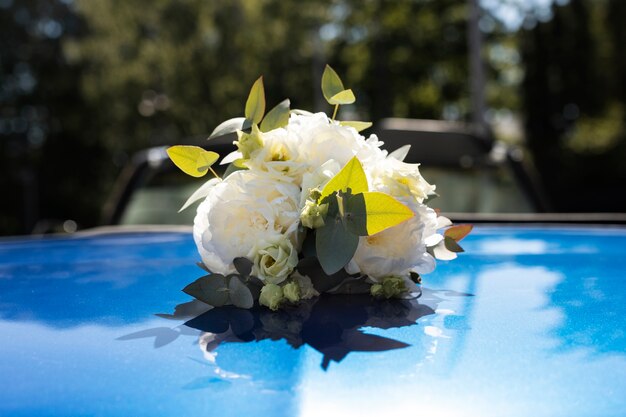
x: 529, y: 321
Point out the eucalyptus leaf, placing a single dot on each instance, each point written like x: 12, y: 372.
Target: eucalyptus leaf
x: 255, y: 105
x: 358, y: 126
x: 355, y: 215
x: 230, y: 126
x: 240, y: 295
x: 451, y: 245
x: 277, y: 117
x: 200, y: 193
x: 335, y: 245
x: 301, y: 112
x: 351, y: 176
x: 210, y: 289
x: 384, y: 211
x: 206, y: 160
x: 343, y: 97
x: 322, y: 282
x: 243, y: 265
x: 186, y: 158
x: 331, y: 83
x: 232, y: 168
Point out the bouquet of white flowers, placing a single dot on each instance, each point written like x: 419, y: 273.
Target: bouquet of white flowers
x: 308, y: 205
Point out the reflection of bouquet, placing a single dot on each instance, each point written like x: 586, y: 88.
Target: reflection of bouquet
x: 308, y: 205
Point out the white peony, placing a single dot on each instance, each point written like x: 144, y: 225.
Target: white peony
x: 400, y: 180
x: 279, y: 156
x: 246, y: 208
x: 321, y: 139
x: 398, y: 250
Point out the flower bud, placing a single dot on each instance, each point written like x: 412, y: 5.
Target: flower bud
x: 312, y: 214
x: 248, y: 143
x: 389, y: 287
x: 271, y: 296
x: 291, y: 291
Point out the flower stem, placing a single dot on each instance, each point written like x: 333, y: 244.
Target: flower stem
x: 335, y: 112
x: 215, y: 173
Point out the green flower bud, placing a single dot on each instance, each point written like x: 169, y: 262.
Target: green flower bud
x: 291, y: 291
x: 248, y: 143
x: 390, y: 287
x: 271, y: 296
x: 313, y: 214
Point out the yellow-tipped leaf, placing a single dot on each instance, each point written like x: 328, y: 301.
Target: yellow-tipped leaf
x: 384, y: 211
x: 192, y: 160
x: 351, y: 176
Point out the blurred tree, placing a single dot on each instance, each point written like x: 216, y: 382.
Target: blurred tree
x: 406, y: 58
x: 160, y: 71
x: 575, y: 118
x: 43, y: 121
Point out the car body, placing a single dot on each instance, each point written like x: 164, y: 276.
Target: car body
x: 530, y: 321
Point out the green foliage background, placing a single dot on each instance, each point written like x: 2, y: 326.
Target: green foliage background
x: 85, y: 83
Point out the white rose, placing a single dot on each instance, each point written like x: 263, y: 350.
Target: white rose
x: 273, y: 259
x: 398, y: 250
x: 246, y: 208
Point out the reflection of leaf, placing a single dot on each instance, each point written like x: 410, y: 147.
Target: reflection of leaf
x: 162, y: 336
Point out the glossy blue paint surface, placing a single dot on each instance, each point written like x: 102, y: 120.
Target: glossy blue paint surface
x: 529, y: 321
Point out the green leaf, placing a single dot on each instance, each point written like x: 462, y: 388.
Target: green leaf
x: 458, y: 232
x: 358, y: 126
x: 331, y: 83
x: 206, y: 160
x: 321, y: 281
x: 277, y: 117
x: 351, y: 176
x: 232, y: 168
x: 343, y: 97
x: 190, y: 158
x: 384, y: 211
x: 230, y: 126
x: 451, y: 245
x: 210, y: 289
x: 240, y: 295
x: 243, y: 265
x: 255, y: 105
x: 355, y: 215
x: 334, y: 244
